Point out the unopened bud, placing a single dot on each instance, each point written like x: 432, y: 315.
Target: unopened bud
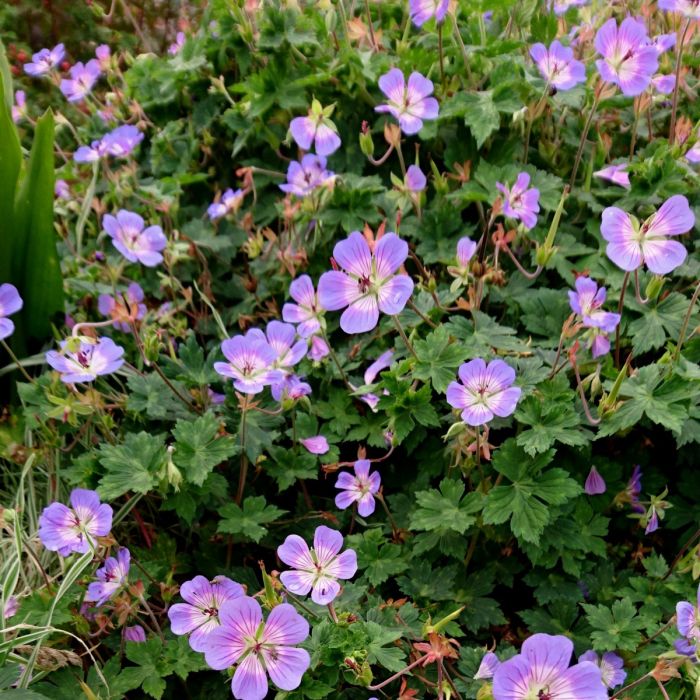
x: 366, y: 143
x: 654, y: 287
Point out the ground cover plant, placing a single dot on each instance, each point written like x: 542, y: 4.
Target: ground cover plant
x: 349, y: 350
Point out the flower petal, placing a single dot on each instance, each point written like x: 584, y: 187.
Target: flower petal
x: 362, y: 315
x: 285, y: 626
x: 286, y: 666
x: 394, y: 294
x: 662, y: 256
x: 295, y: 553
x: 249, y: 680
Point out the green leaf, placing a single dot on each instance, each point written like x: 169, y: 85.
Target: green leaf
x: 478, y: 110
x: 10, y: 164
x: 484, y: 335
x: 288, y: 466
x: 249, y: 520
x: 438, y: 359
x: 149, y: 394
x: 391, y: 658
x: 614, y: 628
x: 378, y: 559
x: 660, y: 319
x: 446, y: 509
x: 199, y: 447
x: 135, y: 465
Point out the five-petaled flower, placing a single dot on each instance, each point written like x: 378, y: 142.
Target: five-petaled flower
x: 316, y: 128
x: 521, y: 201
x: 541, y: 671
x: 410, y: 102
x: 307, y: 311
x: 369, y: 283
x: 587, y: 301
x: 317, y: 570
x: 132, y: 240
x: 44, y: 61
x: 558, y: 66
x: 359, y: 489
x: 611, y: 666
x: 10, y: 303
x: 631, y: 244
x: 423, y: 10
x: 259, y: 648
x: 119, y: 143
x: 198, y: 616
x: 250, y: 363
x: 66, y: 530
x: 111, y: 578
x: 229, y: 203
x: 484, y: 391
x: 82, y: 80
x: 305, y: 177
x: 85, y: 359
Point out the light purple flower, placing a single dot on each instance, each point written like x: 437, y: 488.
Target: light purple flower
x: 111, y: 578
x: 611, y: 666
x: 369, y: 283
x: 10, y: 303
x: 44, y: 61
x: 281, y: 338
x: 318, y: 348
x: 120, y: 142
x: 688, y: 619
x: 307, y: 311
x: 89, y: 360
x: 541, y: 670
x: 132, y: 240
x: 215, y: 398
x: 66, y: 530
x: 229, y: 203
x: 521, y: 202
x: 61, y: 189
x: 634, y: 489
x: 250, y: 363
x: 104, y: 56
x: 317, y: 445
x: 688, y: 8
x: 628, y: 59
x: 595, y: 484
x: 684, y: 647
x: 291, y: 387
x: 358, y: 489
x: 466, y: 248
x: 631, y: 245
x: 114, y: 307
x: 616, y: 174
x: 409, y: 103
x: 561, y: 6
x: 423, y: 10
x: 415, y: 179
x: 82, y: 80
x: 135, y: 633
x: 316, y: 128
x: 380, y: 364
x: 319, y: 569
x: 260, y: 648
x: 306, y: 177
x: 91, y: 153
x: 693, y: 154
x: 19, y: 108
x: 487, y: 667
x: 652, y: 522
x: 485, y: 391
x: 663, y: 84
x: 663, y: 42
x: 558, y: 66
x: 11, y: 607
x: 599, y: 343
x: 199, y: 615
x: 179, y: 42
x: 587, y: 300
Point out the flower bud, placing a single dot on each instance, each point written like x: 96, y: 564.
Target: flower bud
x: 654, y: 287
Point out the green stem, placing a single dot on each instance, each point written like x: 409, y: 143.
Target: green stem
x: 244, y: 458
x: 625, y: 281
x: 686, y: 321
x: 13, y: 357
x: 334, y: 357
x: 584, y: 135
x: 676, y: 84
x: 404, y: 337
x: 85, y: 211
x: 441, y: 53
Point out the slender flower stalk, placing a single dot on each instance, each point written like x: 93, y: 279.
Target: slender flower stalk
x: 584, y: 134
x: 676, y: 84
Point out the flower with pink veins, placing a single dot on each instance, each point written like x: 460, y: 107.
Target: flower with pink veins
x: 358, y: 489
x: 423, y: 10
x: 521, y: 201
x: 317, y: 570
x: 307, y: 310
x: 369, y: 283
x: 316, y: 128
x: 410, y: 103
x: 587, y: 301
x: 631, y: 244
x: 558, y: 66
x: 616, y: 174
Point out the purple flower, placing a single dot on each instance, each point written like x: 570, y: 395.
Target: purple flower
x: 688, y: 619
x: 66, y: 530
x: 317, y: 445
x: 134, y: 242
x: 631, y: 245
x: 595, y: 484
x: 110, y: 578
x: 487, y: 667
x: 615, y: 173
x: 114, y: 307
x: 628, y: 60
x: 663, y: 42
x: 11, y: 607
x: 19, y: 108
x: 136, y: 633
x: 260, y: 648
x: 250, y: 363
x: 316, y: 128
x: 541, y: 670
x: 291, y: 387
x: 561, y: 6
x: 45, y: 61
x: 215, y: 398
x: 307, y: 311
x: 81, y: 81
x: 83, y: 360
x: 466, y: 248
x: 688, y: 8
x: 652, y: 522
x: 179, y: 42
x: 611, y: 667
x: 358, y: 489
x: 422, y: 10
x: 199, y: 615
x: 599, y: 343
x: 229, y: 203
x: 663, y: 84
x: 319, y: 569
x: 586, y: 302
x: 318, y: 348
x: 519, y: 202
x: 485, y: 391
x: 91, y: 153
x: 634, y: 489
x: 693, y: 155
x: 409, y: 103
x: 61, y: 189
x: 280, y: 337
x: 558, y: 66
x: 120, y: 142
x: 10, y: 303
x: 684, y: 647
x: 415, y: 179
x: 104, y: 56
x: 305, y: 177
x: 369, y: 284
